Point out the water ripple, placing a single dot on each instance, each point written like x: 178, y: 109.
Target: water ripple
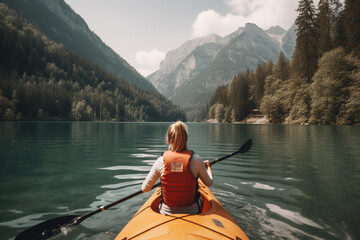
x: 143, y: 155
x: 134, y: 168
x: 122, y: 184
x: 131, y: 176
x: 259, y: 185
x: 292, y: 216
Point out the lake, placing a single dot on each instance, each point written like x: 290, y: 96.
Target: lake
x: 297, y: 182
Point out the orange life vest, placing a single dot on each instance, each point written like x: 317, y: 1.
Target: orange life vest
x: 179, y: 186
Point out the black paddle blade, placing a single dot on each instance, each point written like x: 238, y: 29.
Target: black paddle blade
x: 48, y: 228
x: 246, y: 146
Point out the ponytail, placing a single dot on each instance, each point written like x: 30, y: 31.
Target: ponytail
x: 176, y: 136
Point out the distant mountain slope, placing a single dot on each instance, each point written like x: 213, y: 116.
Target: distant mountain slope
x: 61, y: 24
x: 189, y: 74
x: 43, y: 80
x: 289, y: 41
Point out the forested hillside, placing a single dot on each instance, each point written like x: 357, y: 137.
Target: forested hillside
x: 61, y: 24
x: 40, y: 79
x: 321, y: 83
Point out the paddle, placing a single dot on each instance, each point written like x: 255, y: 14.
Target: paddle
x: 57, y: 225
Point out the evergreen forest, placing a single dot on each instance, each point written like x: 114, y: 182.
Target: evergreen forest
x: 320, y: 84
x: 43, y: 80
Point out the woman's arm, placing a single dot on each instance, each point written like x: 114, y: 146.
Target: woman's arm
x: 200, y: 168
x: 153, y: 175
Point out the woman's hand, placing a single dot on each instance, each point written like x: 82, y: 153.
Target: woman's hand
x: 208, y: 168
x: 207, y: 164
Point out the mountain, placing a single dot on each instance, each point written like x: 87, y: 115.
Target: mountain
x: 275, y: 30
x: 189, y: 74
x: 289, y: 41
x: 44, y: 80
x: 60, y: 23
x: 180, y: 65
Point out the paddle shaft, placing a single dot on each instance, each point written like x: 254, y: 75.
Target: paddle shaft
x: 225, y: 157
x: 243, y: 149
x: 103, y: 208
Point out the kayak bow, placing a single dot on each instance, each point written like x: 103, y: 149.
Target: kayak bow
x: 214, y: 222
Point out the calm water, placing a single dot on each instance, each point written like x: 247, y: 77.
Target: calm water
x: 297, y: 182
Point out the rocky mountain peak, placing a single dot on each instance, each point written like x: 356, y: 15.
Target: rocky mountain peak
x: 190, y: 73
x: 276, y: 30
x: 174, y: 57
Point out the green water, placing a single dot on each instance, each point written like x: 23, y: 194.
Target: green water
x: 297, y: 182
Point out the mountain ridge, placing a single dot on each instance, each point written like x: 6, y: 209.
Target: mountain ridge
x: 213, y: 61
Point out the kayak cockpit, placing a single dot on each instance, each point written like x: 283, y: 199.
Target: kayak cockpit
x: 206, y: 202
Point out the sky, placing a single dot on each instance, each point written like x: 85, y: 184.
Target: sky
x: 142, y: 31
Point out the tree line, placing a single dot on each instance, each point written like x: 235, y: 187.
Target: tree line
x: 43, y: 80
x: 319, y: 85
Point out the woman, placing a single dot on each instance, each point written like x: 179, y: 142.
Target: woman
x: 179, y: 169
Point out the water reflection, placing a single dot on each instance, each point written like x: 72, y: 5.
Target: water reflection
x: 292, y: 216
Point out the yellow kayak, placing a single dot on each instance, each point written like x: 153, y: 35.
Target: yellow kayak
x: 214, y: 222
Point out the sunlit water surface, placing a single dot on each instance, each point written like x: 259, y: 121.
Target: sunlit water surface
x: 297, y: 182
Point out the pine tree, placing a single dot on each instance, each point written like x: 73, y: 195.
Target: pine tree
x: 338, y: 35
x: 306, y: 47
x: 220, y: 96
x: 352, y: 26
x: 260, y: 75
x: 275, y: 101
x: 303, y: 63
x: 282, y: 67
x: 239, y: 98
x: 323, y: 24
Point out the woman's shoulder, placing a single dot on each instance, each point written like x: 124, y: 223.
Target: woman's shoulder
x: 196, y: 159
x: 159, y: 160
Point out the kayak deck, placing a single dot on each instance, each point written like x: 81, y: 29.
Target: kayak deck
x: 214, y: 222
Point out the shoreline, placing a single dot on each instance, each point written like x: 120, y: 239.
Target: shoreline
x: 251, y: 120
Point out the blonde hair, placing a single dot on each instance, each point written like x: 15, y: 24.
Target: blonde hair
x: 176, y: 136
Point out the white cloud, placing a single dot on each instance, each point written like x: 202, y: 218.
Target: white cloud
x: 149, y: 61
x: 209, y: 21
x: 264, y: 13
x: 244, y: 7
